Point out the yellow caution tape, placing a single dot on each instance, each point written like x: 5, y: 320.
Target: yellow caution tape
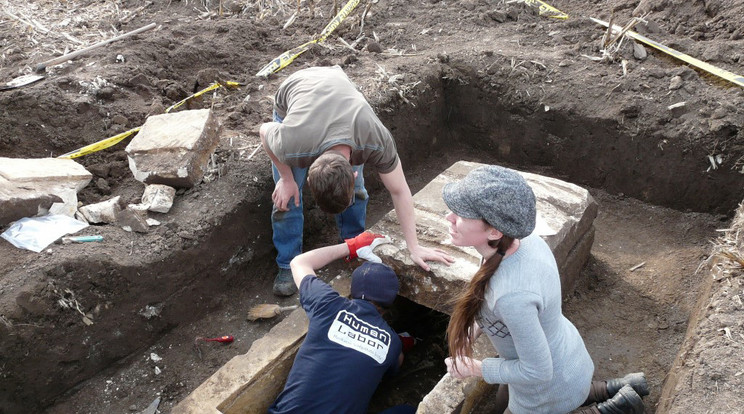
x: 202, y: 92
x: 281, y: 61
x: 108, y: 142
x: 97, y: 146
x: 731, y: 77
x: 545, y: 8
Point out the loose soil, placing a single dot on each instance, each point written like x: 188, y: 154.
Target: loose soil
x: 480, y: 80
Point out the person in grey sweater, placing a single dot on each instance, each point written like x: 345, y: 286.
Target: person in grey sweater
x: 515, y: 298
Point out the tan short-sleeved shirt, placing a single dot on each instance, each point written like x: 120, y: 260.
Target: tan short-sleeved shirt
x: 321, y: 108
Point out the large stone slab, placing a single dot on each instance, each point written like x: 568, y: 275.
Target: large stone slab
x: 29, y: 186
x: 565, y: 216
x: 174, y: 148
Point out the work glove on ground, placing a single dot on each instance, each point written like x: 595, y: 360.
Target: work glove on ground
x: 362, y: 246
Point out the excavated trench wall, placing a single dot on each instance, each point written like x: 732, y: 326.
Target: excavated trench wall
x: 470, y: 117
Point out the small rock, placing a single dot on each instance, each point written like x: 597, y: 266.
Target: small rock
x: 498, y: 16
x: 675, y: 83
x: 133, y: 219
x: 374, y: 47
x: 348, y: 60
x: 106, y: 93
x: 512, y: 14
x: 639, y: 51
x: 718, y: 113
x: 563, y: 64
x: 103, y: 186
x: 678, y: 109
x: 443, y: 58
x: 120, y: 120
x: 132, y: 407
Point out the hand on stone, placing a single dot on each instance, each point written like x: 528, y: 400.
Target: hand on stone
x: 464, y: 368
x: 420, y: 255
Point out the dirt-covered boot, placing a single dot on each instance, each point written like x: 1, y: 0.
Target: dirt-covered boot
x: 284, y: 284
x: 625, y: 401
x: 637, y: 380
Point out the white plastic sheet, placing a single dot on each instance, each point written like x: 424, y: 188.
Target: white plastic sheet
x: 36, y: 233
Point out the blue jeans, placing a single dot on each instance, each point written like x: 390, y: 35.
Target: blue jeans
x: 287, y: 225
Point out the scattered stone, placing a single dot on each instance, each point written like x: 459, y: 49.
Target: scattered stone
x: 563, y: 64
x: 497, y: 15
x: 159, y: 197
x: 174, y: 148
x: 132, y: 219
x: 512, y: 14
x: 639, y: 51
x: 139, y: 80
x: 719, y: 113
x: 678, y: 109
x: 151, y: 311
x: 106, y: 93
x: 374, y: 47
x: 103, y: 186
x: 119, y: 120
x: 41, y: 179
x: 675, y: 83
x: 103, y: 212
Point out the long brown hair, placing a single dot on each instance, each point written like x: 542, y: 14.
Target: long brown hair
x: 469, y: 302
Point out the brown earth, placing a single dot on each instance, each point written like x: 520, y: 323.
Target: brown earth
x: 480, y: 80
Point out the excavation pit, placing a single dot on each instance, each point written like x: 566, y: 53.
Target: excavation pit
x: 536, y: 108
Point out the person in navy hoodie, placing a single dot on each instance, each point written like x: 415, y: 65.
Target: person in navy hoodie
x: 349, y: 347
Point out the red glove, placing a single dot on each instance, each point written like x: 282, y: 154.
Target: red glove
x: 407, y: 340
x: 362, y: 240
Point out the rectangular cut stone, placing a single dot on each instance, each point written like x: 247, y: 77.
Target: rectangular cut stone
x: 174, y: 149
x: 565, y: 216
x: 35, y: 178
x: 17, y: 202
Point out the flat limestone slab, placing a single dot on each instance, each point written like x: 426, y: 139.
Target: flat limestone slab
x: 17, y: 202
x: 565, y: 216
x: 174, y: 149
x: 28, y: 184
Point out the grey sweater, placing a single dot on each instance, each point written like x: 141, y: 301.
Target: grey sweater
x: 542, y: 357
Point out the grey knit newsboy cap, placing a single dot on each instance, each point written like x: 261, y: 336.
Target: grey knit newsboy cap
x: 496, y: 194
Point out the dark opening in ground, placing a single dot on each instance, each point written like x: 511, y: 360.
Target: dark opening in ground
x: 422, y: 367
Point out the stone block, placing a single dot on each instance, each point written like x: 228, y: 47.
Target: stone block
x: 158, y: 197
x: 26, y: 179
x: 174, y: 148
x: 565, y: 216
x: 103, y: 212
x: 17, y: 202
x: 133, y: 218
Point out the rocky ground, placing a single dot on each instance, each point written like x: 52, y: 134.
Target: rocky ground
x: 483, y: 80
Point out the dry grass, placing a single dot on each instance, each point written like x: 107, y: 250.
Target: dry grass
x: 43, y: 29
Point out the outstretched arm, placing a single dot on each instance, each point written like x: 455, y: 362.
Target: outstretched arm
x: 396, y: 184
x: 307, y: 263
x: 286, y: 187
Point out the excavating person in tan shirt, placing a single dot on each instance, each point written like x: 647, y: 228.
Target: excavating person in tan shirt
x: 325, y: 131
